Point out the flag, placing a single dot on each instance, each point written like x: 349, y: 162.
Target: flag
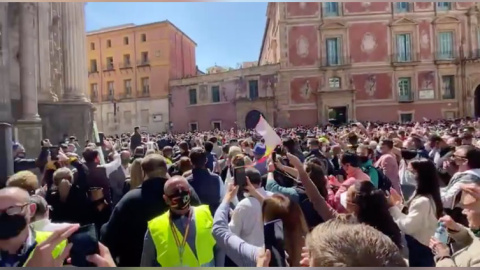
x: 271, y: 138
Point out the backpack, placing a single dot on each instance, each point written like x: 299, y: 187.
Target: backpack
x: 384, y: 182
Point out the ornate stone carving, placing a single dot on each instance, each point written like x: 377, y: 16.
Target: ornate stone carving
x: 371, y: 85
x: 368, y: 43
x: 306, y: 90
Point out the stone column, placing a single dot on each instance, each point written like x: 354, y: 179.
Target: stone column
x: 28, y: 84
x: 28, y: 129
x: 43, y: 60
x: 74, y: 54
x: 5, y: 102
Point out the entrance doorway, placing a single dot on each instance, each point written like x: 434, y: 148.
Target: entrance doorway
x: 337, y: 115
x: 252, y: 118
x: 476, y: 102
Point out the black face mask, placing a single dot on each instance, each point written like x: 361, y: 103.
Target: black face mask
x: 11, y: 226
x: 180, y: 200
x: 363, y: 159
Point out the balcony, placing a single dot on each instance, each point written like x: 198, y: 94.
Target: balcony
x: 446, y: 57
x: 335, y: 62
x: 127, y: 94
x: 145, y: 92
x: 92, y: 70
x: 143, y: 63
x: 400, y: 59
x: 108, y: 97
x: 125, y: 65
x: 406, y: 97
x: 108, y: 67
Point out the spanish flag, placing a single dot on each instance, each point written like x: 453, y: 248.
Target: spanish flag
x: 271, y: 138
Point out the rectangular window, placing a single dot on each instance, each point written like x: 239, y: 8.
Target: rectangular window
x: 126, y: 60
x: 127, y: 84
x: 215, y: 94
x: 448, y: 87
x: 93, y: 65
x: 144, y: 58
x: 144, y: 117
x: 109, y: 43
x: 443, y: 6
x: 217, y: 125
x: 193, y: 127
x: 402, y: 7
x: 109, y: 63
x: 192, y: 93
x: 145, y: 85
x: 93, y: 91
x: 92, y: 46
x: 125, y: 41
x: 143, y: 37
x: 331, y: 9
x: 406, y: 117
x: 404, y: 48
x: 333, y: 51
x: 334, y: 82
x: 253, y: 89
x: 111, y: 90
x: 445, y: 45
x: 405, y: 89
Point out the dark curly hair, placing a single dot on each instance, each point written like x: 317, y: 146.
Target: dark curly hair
x: 372, y: 209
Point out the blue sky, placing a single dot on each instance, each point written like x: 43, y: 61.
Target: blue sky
x: 226, y: 33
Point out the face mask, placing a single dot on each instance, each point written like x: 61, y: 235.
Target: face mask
x: 363, y: 159
x: 180, y: 200
x: 11, y: 226
x: 324, y: 149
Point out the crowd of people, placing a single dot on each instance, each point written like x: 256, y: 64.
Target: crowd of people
x: 359, y: 194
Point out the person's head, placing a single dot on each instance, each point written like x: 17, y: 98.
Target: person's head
x: 185, y: 164
x: 350, y: 162
x: 254, y: 176
x: 471, y: 209
x: 61, y: 174
x: 467, y: 139
x: 225, y: 149
x: 18, y: 151
x: 364, y: 153
x: 71, y: 148
x: 136, y: 130
x: 436, y: 142
x: 136, y: 173
x: 386, y: 146
x: 315, y: 171
x: 183, y: 147
x: 125, y: 157
x: 338, y: 244
x: 154, y: 166
x: 259, y: 150
x: 213, y: 140
x: 208, y: 147
x: 362, y: 197
x: 233, y: 151
x: 90, y: 155
x: 167, y: 151
x: 466, y: 157
x: 149, y: 152
x: 428, y: 183
x: 313, y: 144
x: 139, y: 152
x: 198, y: 158
x: 177, y: 194
x: 16, y: 211
x: 25, y: 180
x: 42, y: 208
x: 294, y: 225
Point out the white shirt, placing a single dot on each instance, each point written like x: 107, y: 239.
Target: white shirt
x: 421, y: 220
x: 45, y: 225
x: 247, y: 220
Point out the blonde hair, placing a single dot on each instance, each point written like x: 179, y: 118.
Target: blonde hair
x: 234, y: 151
x: 62, y: 173
x: 136, y: 173
x: 339, y: 243
x: 25, y: 180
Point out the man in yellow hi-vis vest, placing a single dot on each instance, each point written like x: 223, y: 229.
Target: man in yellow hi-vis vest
x: 183, y: 235
x: 17, y: 238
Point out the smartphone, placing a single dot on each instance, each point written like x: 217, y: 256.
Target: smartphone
x: 54, y: 152
x: 274, y: 157
x: 274, y: 241
x: 101, y: 138
x: 239, y: 175
x: 84, y: 242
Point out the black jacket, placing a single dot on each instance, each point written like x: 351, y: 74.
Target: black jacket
x: 125, y: 231
x: 135, y: 141
x: 24, y: 164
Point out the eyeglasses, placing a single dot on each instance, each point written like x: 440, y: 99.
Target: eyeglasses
x: 14, y: 210
x: 458, y: 157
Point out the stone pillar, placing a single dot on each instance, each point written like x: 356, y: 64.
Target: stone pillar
x: 28, y: 84
x: 5, y: 102
x: 43, y: 59
x: 28, y: 129
x: 74, y: 54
